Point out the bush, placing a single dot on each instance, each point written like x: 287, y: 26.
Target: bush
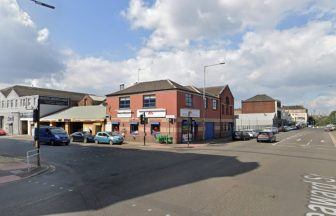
x: 164, y: 139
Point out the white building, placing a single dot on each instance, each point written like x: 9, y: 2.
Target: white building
x: 257, y: 121
x: 17, y: 104
x: 298, y: 114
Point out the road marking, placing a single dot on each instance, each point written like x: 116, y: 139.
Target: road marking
x: 298, y: 140
x: 307, y: 143
x: 52, y: 185
x: 133, y: 205
x: 333, y: 139
x: 149, y: 210
x: 322, y: 141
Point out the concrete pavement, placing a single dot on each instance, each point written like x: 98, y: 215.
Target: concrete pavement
x: 237, y: 178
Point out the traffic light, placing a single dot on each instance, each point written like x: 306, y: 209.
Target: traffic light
x: 142, y: 119
x: 36, y: 116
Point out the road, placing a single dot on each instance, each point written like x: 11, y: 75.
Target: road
x: 236, y: 178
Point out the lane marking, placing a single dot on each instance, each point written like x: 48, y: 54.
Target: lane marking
x: 322, y: 141
x: 298, y: 140
x: 307, y: 143
x: 333, y: 139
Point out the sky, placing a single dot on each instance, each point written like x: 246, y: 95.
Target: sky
x: 285, y: 49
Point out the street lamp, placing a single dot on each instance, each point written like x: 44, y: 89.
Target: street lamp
x: 43, y: 4
x: 204, y: 99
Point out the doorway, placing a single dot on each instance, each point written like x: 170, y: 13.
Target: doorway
x: 24, y: 127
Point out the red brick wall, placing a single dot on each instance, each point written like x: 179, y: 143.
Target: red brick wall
x: 258, y: 107
x: 86, y: 101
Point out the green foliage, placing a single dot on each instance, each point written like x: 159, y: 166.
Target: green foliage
x: 325, y: 120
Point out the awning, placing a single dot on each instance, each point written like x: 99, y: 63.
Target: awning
x: 134, y: 123
x: 155, y: 123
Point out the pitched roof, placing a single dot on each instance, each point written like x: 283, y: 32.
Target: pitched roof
x: 157, y: 85
x: 97, y: 98
x: 215, y: 90
x: 79, y: 113
x: 293, y: 107
x: 261, y: 97
x: 27, y: 91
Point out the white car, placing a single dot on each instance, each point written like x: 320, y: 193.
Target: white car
x: 274, y: 130
x: 252, y: 133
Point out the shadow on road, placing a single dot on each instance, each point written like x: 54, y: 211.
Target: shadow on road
x: 122, y: 174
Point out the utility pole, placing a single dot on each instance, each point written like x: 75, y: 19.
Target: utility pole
x: 36, y: 118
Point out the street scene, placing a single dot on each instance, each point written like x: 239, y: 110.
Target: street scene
x: 235, y: 178
x: 167, y: 107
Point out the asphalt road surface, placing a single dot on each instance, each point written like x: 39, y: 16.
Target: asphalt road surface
x: 288, y: 177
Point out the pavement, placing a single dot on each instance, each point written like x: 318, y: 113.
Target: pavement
x: 230, y: 178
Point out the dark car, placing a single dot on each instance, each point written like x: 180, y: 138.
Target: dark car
x: 241, y: 135
x: 2, y: 132
x: 266, y: 136
x: 81, y: 137
x: 52, y: 135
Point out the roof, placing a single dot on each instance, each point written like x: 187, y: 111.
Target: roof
x: 79, y: 113
x: 157, y: 85
x: 28, y: 91
x: 294, y: 107
x: 97, y: 98
x: 215, y: 90
x: 259, y: 98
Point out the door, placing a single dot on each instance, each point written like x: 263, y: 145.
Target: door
x: 209, y: 130
x: 10, y: 128
x: 24, y: 126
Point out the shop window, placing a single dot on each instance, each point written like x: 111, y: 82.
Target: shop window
x: 134, y: 128
x: 155, y: 129
x: 188, y: 100
x: 115, y: 127
x: 214, y: 104
x: 124, y: 102
x: 149, y: 101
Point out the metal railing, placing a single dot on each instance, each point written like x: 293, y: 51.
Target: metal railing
x: 32, y: 157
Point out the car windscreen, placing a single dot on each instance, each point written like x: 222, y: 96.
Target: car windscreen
x: 57, y: 131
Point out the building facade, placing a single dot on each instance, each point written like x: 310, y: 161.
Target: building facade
x: 18, y: 102
x: 259, y: 112
x: 171, y: 109
x: 298, y: 114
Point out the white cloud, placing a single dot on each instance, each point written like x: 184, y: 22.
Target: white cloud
x: 43, y: 35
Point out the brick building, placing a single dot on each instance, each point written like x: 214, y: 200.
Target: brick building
x: 91, y: 100
x: 163, y: 100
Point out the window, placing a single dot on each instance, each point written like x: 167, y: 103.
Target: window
x: 134, y: 128
x: 16, y: 103
x: 188, y: 100
x: 222, y: 109
x: 12, y: 103
x: 7, y: 103
x: 20, y: 102
x: 124, y: 102
x: 206, y: 103
x: 2, y: 104
x: 149, y: 101
x: 214, y: 104
x: 24, y: 102
x: 34, y: 101
x: 28, y: 102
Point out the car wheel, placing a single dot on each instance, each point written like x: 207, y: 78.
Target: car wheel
x: 111, y: 143
x: 96, y: 141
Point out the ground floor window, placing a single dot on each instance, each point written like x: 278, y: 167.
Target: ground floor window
x: 115, y: 127
x: 134, y: 128
x: 155, y: 129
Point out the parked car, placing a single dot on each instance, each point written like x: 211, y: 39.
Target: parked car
x: 241, y: 135
x: 109, y: 138
x: 52, y: 135
x: 329, y: 127
x: 272, y: 129
x: 266, y: 136
x: 253, y: 133
x: 82, y: 137
x: 3, y: 132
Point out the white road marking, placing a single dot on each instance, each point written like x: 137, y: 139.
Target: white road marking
x: 61, y: 188
x: 298, y: 140
x: 322, y: 141
x: 149, y: 210
x: 52, y: 185
x: 70, y: 190
x: 307, y: 143
x: 333, y: 139
x: 134, y: 205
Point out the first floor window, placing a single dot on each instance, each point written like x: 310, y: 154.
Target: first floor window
x: 188, y: 100
x: 124, y: 102
x: 214, y: 104
x: 149, y: 101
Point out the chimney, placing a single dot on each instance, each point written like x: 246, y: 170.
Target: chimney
x: 122, y: 87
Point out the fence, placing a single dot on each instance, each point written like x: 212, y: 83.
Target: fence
x: 31, y: 157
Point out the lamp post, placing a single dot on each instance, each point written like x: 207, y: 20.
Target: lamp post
x: 204, y: 98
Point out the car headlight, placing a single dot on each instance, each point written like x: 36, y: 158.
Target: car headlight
x: 57, y: 137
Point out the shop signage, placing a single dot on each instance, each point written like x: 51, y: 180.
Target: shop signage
x: 152, y: 113
x: 170, y: 116
x: 54, y: 101
x: 10, y: 119
x: 26, y: 115
x: 124, y: 113
x: 194, y: 113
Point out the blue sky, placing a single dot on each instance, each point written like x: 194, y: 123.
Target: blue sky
x: 282, y: 48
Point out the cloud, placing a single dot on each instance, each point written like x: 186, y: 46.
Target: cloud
x: 23, y: 51
x: 42, y: 35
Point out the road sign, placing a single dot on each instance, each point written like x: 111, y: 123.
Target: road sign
x: 54, y: 101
